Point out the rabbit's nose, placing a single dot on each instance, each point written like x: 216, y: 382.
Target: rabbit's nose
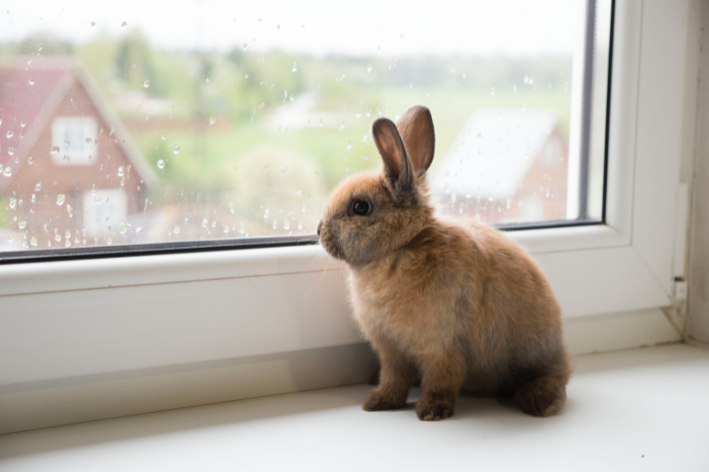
x: 319, y: 225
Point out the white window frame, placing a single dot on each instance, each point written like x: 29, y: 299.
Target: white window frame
x: 73, y: 319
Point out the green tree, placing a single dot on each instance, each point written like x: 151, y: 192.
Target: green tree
x: 135, y: 62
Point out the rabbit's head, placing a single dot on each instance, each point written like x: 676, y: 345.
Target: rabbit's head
x: 372, y: 214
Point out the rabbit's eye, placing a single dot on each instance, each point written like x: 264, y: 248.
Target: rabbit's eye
x: 360, y: 208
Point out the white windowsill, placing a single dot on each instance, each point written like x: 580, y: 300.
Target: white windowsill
x: 622, y: 406
x: 58, y: 276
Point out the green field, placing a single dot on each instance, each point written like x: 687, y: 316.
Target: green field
x: 212, y: 159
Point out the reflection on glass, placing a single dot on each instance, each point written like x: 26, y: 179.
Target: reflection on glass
x: 135, y: 123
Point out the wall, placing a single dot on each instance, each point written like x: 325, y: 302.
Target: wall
x: 698, y: 307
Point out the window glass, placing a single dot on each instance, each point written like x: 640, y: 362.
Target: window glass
x: 148, y: 122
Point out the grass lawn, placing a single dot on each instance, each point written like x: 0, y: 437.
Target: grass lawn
x: 209, y: 159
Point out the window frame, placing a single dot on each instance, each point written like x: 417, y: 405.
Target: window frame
x: 84, y: 317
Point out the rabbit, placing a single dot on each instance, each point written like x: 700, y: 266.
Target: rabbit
x: 453, y: 302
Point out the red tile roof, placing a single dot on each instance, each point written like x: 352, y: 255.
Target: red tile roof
x: 25, y: 90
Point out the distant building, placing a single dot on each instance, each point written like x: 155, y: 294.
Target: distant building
x: 70, y: 172
x: 506, y: 165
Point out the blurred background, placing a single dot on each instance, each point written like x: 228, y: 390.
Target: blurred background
x: 151, y: 121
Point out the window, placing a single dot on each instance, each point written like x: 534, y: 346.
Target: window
x: 102, y: 211
x: 238, y: 131
x: 72, y: 141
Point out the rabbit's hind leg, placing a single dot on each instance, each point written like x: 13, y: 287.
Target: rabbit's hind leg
x: 543, y: 396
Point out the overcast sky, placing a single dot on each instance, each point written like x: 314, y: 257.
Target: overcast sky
x: 380, y: 27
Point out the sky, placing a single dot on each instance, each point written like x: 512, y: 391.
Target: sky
x: 516, y: 28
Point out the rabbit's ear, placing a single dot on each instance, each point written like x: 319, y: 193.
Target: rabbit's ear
x: 416, y: 128
x: 397, y: 164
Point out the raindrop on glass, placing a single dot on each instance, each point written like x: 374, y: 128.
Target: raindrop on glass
x: 212, y: 120
x: 10, y: 134
x: 61, y: 199
x: 138, y: 230
x: 124, y: 228
x: 369, y: 67
x: 30, y: 160
x: 121, y: 171
x: 34, y: 198
x: 164, y: 137
x: 161, y: 164
x: 242, y: 230
x: 55, y: 149
x: 176, y: 149
x: 176, y: 230
x: 13, y: 203
x: 295, y: 68
x: 30, y: 82
x: 146, y: 84
x: 231, y: 208
x: 226, y: 229
x: 7, y: 172
x: 124, y: 24
x: 23, y: 123
x: 38, y: 187
x: 286, y: 225
x: 57, y: 237
x: 22, y: 224
x: 11, y: 150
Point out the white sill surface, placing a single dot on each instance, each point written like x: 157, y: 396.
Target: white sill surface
x: 643, y: 409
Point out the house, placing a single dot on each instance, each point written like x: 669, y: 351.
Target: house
x: 70, y: 172
x: 505, y: 165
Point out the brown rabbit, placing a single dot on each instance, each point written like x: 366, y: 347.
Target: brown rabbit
x: 450, y: 300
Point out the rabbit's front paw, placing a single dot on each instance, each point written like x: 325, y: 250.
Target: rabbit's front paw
x: 379, y: 400
x: 435, y: 407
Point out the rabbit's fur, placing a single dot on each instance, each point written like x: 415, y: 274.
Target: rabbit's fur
x: 450, y: 300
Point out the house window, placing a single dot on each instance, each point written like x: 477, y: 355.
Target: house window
x: 552, y: 153
x: 104, y: 213
x: 73, y: 141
